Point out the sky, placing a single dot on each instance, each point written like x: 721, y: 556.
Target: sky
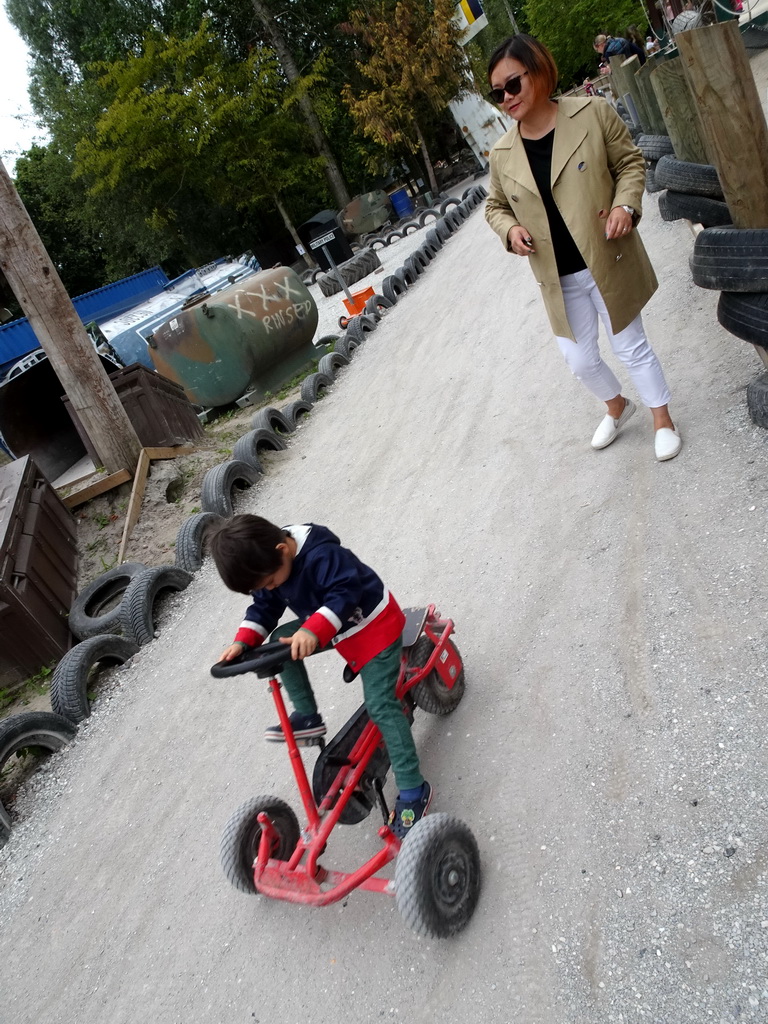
x: 17, y: 125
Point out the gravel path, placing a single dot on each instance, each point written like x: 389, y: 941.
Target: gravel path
x: 610, y: 752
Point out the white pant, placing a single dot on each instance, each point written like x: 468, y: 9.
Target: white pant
x: 583, y: 305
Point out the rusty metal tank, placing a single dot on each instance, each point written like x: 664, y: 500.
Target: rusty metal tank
x: 249, y: 337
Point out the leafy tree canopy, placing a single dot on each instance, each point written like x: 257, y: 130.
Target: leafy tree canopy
x: 411, y: 64
x: 569, y: 30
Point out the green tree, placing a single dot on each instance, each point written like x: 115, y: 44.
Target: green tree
x: 57, y: 205
x: 413, y: 66
x: 190, y: 131
x: 569, y: 30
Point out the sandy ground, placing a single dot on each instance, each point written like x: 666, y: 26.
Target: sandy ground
x: 609, y: 754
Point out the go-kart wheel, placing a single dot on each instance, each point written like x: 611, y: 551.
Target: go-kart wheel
x: 437, y: 876
x: 431, y: 694
x: 242, y: 835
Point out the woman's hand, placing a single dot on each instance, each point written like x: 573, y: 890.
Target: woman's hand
x: 520, y: 241
x: 618, y: 222
x: 303, y: 643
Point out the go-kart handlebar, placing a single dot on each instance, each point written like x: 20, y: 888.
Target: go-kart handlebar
x: 265, y: 661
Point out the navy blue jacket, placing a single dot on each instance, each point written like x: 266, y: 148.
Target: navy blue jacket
x: 335, y: 595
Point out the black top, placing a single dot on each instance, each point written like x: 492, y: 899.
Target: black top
x: 539, y: 152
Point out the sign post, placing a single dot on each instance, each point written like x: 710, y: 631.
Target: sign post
x: 322, y: 243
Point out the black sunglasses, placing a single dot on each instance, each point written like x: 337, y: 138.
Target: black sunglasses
x: 513, y: 87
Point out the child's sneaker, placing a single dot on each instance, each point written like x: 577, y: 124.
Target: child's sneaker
x: 305, y: 727
x: 408, y: 812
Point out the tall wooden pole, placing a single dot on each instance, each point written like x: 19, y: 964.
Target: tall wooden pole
x: 679, y: 112
x: 724, y: 90
x: 38, y: 288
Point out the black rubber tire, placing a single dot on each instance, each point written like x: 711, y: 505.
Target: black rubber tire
x: 481, y: 192
x: 453, y: 219
x: 140, y: 597
x: 393, y: 287
x: 30, y: 729
x: 377, y: 243
x: 328, y: 285
x: 448, y: 203
x: 190, y: 540
x: 247, y: 447
x: 434, y: 239
x: 272, y: 419
x: 219, y: 482
x: 423, y: 254
x: 409, y: 227
x: 757, y: 401
x: 467, y: 192
x: 95, y: 610
x: 444, y: 230
x: 392, y: 236
x: 327, y: 339
x: 315, y: 274
x: 377, y: 306
x: 312, y: 385
x: 431, y: 694
x: 654, y: 147
x: 356, y: 330
x: 428, y: 250
x: 692, y: 179
x: 731, y: 259
x: 745, y: 315
x: 296, y: 411
x: 346, y: 346
x: 437, y: 876
x: 331, y: 363
x: 698, y: 209
x: 242, y: 834
x: 650, y: 180
x: 408, y: 273
x: 430, y: 212
x: 73, y: 675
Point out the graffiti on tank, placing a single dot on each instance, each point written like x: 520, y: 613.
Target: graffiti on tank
x: 286, y: 317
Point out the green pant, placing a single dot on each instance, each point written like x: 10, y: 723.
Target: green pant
x: 379, y: 680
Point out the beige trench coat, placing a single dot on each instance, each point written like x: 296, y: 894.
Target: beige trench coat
x: 595, y: 166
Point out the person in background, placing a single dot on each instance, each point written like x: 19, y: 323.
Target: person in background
x: 610, y: 46
x: 566, y: 187
x: 634, y: 36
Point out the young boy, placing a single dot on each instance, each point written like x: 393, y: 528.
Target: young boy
x: 338, y: 601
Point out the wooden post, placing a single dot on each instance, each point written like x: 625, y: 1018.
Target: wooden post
x: 724, y: 90
x: 42, y: 296
x: 679, y: 112
x: 643, y: 80
x: 624, y: 74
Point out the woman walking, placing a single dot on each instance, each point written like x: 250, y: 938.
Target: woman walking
x: 565, y: 192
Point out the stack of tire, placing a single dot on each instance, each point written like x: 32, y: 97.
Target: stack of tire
x: 361, y: 265
x: 424, y: 218
x: 734, y: 261
x: 455, y: 212
x: 691, y: 192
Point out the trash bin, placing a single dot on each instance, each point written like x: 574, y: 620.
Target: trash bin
x: 402, y: 203
x: 325, y: 223
x: 38, y: 571
x: 159, y: 411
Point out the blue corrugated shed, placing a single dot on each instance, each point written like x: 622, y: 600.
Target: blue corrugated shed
x: 17, y: 338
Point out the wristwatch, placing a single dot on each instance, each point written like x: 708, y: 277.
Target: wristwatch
x: 630, y: 210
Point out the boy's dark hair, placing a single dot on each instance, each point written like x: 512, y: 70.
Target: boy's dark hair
x: 244, y: 549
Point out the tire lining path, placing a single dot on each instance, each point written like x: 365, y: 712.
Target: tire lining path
x: 608, y: 754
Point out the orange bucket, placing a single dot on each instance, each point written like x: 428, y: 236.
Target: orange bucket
x: 359, y: 300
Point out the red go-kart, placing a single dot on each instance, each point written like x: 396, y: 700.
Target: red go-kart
x: 437, y: 866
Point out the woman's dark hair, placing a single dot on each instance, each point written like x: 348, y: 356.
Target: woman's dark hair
x: 244, y: 549
x: 535, y: 58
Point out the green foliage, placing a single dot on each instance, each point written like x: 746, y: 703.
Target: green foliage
x: 569, y: 29
x: 57, y: 205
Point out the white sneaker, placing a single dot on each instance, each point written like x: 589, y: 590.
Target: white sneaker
x: 609, y: 427
x: 667, y: 443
